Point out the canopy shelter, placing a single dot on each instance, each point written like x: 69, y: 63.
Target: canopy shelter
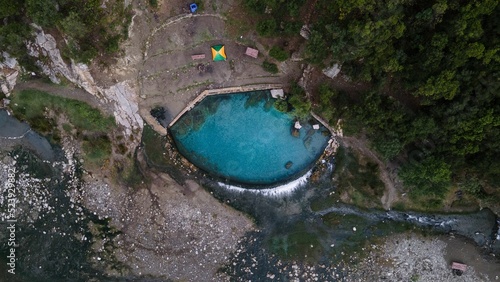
x: 218, y: 53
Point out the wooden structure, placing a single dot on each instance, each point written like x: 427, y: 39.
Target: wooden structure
x: 458, y: 268
x: 254, y: 53
x: 198, y: 57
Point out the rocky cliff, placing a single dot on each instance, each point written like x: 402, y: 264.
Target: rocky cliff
x: 122, y: 97
x: 9, y: 72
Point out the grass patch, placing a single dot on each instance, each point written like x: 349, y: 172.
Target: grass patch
x: 91, y: 126
x: 30, y: 105
x: 96, y: 149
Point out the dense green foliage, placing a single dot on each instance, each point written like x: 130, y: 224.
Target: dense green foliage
x: 89, y: 28
x: 301, y: 105
x: 270, y: 67
x: 277, y: 18
x: 434, y: 67
x: 281, y: 105
x: 278, y: 53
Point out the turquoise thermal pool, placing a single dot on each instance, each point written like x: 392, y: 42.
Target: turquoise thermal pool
x: 242, y: 138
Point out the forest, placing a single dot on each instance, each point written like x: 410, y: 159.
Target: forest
x: 433, y: 70
x: 89, y: 31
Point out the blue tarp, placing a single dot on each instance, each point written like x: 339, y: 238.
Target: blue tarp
x: 193, y: 7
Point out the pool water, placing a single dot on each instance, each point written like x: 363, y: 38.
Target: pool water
x: 244, y: 139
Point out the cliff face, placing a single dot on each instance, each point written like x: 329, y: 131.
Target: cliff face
x: 9, y: 72
x: 121, y: 97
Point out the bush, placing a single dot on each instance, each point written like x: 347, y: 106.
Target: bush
x: 267, y: 27
x: 301, y: 105
x: 270, y: 67
x: 281, y: 105
x: 278, y: 53
x: 153, y: 3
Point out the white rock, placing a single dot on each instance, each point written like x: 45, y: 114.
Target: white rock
x: 333, y: 71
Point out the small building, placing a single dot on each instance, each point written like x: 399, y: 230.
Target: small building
x: 254, y: 53
x: 277, y: 93
x: 297, y: 125
x: 198, y: 56
x: 458, y: 268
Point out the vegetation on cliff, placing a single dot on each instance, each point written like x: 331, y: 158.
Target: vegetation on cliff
x: 89, y: 28
x: 44, y: 112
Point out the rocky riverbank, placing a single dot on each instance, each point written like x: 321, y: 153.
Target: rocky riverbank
x: 411, y: 257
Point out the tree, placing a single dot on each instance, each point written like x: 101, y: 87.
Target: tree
x: 429, y: 176
x: 73, y: 26
x: 301, y: 105
x: 444, y: 85
x: 42, y: 12
x: 270, y: 67
x: 278, y: 53
x: 266, y: 27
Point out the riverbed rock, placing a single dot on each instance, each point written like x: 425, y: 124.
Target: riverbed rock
x: 295, y: 133
x: 288, y: 165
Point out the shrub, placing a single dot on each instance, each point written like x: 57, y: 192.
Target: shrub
x: 267, y: 27
x: 278, y: 53
x: 270, y: 67
x: 153, y: 3
x: 281, y: 105
x: 301, y: 105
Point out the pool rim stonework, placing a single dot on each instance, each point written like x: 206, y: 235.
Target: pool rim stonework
x: 329, y: 149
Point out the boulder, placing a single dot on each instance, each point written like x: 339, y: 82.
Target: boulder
x: 332, y: 71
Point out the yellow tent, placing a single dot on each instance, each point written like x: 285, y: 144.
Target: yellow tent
x: 218, y: 53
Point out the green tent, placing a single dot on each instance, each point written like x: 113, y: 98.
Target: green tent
x: 218, y: 53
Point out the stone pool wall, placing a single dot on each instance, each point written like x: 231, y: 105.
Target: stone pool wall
x: 221, y: 91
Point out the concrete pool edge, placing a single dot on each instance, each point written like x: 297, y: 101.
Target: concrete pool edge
x: 285, y: 187
x: 222, y: 91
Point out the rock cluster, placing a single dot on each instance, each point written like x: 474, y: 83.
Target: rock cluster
x: 9, y: 72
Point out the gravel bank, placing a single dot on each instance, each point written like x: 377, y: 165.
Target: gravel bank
x: 410, y: 257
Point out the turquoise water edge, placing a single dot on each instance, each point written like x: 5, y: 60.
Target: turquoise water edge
x: 244, y: 139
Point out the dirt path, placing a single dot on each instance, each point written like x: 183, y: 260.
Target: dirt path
x: 390, y: 193
x: 68, y: 91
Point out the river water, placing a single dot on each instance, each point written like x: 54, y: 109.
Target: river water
x: 13, y: 132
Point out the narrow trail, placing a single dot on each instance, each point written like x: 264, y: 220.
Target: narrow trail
x: 390, y: 193
x: 67, y: 91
